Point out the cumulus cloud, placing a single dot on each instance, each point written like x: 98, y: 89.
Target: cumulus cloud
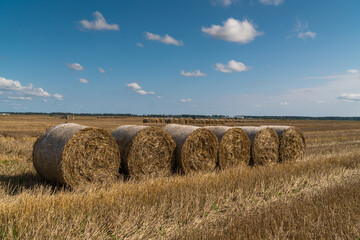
x: 99, y: 23
x: 233, y: 30
x: 165, y: 39
x: 138, y: 89
x: 133, y: 86
x: 302, y: 31
x: 186, y: 100
x: 75, y: 66
x: 232, y: 66
x: 83, y: 80
x: 224, y: 3
x: 58, y: 96
x: 195, y: 73
x: 353, y: 71
x: 101, y: 70
x: 15, y: 86
x: 19, y: 98
x: 349, y: 97
x: 271, y: 2
x: 142, y: 92
x: 305, y: 35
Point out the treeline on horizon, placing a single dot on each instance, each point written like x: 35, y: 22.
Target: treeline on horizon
x: 188, y: 116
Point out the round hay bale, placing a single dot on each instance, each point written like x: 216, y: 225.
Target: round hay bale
x: 145, y: 151
x: 264, y: 145
x: 145, y: 120
x: 72, y: 154
x: 292, y: 143
x: 168, y: 120
x: 234, y: 147
x: 181, y: 121
x: 191, y: 121
x: 196, y: 148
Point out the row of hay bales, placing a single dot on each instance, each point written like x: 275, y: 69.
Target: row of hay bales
x: 71, y: 154
x: 187, y: 121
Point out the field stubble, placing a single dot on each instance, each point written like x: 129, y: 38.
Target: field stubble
x: 313, y: 198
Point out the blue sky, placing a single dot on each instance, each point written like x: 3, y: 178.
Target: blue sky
x: 252, y: 57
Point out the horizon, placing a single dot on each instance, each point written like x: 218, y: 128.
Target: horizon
x: 209, y: 57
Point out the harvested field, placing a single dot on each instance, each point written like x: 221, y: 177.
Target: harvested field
x: 145, y: 151
x: 315, y: 198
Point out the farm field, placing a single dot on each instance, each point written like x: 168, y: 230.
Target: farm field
x: 314, y: 198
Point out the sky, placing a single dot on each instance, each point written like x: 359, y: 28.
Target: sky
x: 231, y: 57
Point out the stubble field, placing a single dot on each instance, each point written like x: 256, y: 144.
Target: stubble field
x: 315, y: 198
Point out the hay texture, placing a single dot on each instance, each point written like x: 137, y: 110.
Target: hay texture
x: 196, y: 148
x: 145, y: 151
x: 234, y: 147
x: 72, y: 154
x: 264, y: 145
x: 292, y: 143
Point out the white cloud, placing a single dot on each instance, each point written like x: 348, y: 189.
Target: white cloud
x: 302, y: 31
x: 186, y: 100
x: 19, y: 98
x: 1, y: 93
x: 99, y: 23
x: 305, y: 35
x: 139, y: 44
x: 353, y: 71
x: 15, y: 86
x: 349, y: 97
x: 284, y: 103
x: 160, y: 97
x: 58, y: 96
x: 232, y: 66
x: 195, y: 73
x: 101, y: 70
x: 224, y: 3
x: 83, y: 80
x: 271, y: 2
x: 233, y: 31
x: 138, y: 89
x: 75, y: 66
x: 166, y: 39
x: 142, y: 92
x: 133, y: 86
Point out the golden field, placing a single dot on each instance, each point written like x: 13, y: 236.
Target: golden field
x: 314, y: 198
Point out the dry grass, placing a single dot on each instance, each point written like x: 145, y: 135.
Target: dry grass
x: 316, y: 198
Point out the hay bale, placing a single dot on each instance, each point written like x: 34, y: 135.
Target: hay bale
x: 72, y: 154
x: 145, y: 151
x: 264, y: 145
x: 168, y: 120
x: 191, y: 121
x: 234, y: 148
x: 196, y: 148
x: 292, y: 143
x: 145, y: 120
x: 181, y: 121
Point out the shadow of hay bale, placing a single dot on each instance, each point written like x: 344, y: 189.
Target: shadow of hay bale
x: 16, y: 184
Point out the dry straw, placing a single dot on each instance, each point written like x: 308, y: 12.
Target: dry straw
x: 234, y: 148
x: 264, y: 145
x: 292, y: 143
x: 72, y: 154
x: 196, y: 148
x: 145, y: 151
